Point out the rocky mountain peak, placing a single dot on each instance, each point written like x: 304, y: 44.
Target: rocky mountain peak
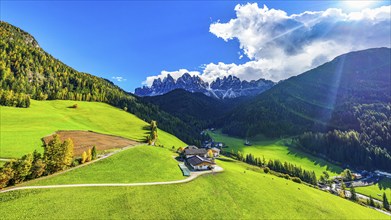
x: 226, y: 87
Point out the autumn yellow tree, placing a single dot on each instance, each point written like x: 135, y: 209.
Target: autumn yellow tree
x: 83, y: 157
x: 89, y: 155
x: 210, y: 153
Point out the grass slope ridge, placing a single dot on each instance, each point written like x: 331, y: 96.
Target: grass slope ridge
x: 129, y: 166
x: 23, y: 128
x: 25, y: 68
x: 320, y: 99
x: 240, y: 192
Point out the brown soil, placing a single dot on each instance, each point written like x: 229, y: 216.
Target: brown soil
x: 83, y: 140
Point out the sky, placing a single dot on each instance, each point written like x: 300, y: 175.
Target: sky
x: 134, y: 42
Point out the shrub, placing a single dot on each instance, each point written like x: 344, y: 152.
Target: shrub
x: 76, y: 162
x: 266, y: 170
x: 296, y: 179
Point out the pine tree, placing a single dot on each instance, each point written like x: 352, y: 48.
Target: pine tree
x: 94, y: 153
x: 353, y: 197
x: 371, y: 202
x: 343, y: 186
x: 386, y: 204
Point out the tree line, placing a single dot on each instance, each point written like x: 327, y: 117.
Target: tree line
x: 346, y: 147
x: 57, y: 156
x: 276, y: 165
x: 10, y: 98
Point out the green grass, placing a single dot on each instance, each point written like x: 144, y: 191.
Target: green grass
x: 237, y: 193
x: 377, y: 190
x: 22, y: 128
x: 275, y: 149
x: 134, y: 165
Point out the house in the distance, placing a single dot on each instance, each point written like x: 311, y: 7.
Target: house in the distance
x: 194, y: 151
x: 200, y: 163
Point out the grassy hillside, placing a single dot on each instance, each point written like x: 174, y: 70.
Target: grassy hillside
x: 22, y: 128
x: 377, y: 190
x: 26, y: 70
x: 238, y: 192
x: 134, y: 165
x: 275, y: 149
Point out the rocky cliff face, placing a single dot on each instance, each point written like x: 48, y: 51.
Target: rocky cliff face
x: 227, y: 87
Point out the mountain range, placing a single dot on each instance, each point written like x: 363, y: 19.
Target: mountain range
x: 221, y: 88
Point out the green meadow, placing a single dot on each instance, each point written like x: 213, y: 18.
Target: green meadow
x: 276, y: 149
x: 240, y: 192
x: 23, y: 128
x: 133, y: 165
x: 377, y: 190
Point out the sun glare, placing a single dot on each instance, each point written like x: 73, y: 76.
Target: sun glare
x: 358, y: 4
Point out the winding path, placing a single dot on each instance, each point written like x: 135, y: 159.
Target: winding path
x: 192, y: 177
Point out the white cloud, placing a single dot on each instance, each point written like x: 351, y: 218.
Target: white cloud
x: 174, y: 74
x: 281, y: 45
x: 118, y: 78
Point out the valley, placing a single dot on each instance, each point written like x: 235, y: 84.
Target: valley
x: 276, y: 149
x: 285, y: 123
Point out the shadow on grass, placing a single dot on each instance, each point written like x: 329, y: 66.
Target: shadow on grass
x: 147, y: 127
x: 384, y: 183
x: 226, y: 160
x: 314, y: 159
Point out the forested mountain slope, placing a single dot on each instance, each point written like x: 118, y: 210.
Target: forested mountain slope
x: 319, y: 99
x: 196, y: 109
x: 27, y: 71
x: 347, y: 100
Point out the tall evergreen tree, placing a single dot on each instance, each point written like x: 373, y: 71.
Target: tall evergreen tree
x: 386, y: 204
x: 94, y: 153
x: 353, y: 196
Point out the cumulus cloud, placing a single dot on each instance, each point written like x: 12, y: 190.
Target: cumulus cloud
x: 281, y: 45
x: 118, y: 78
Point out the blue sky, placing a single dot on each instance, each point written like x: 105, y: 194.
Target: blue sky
x: 138, y: 39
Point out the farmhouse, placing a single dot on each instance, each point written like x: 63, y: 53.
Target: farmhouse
x: 189, y: 152
x: 200, y: 163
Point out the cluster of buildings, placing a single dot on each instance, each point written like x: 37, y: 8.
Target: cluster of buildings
x: 200, y: 158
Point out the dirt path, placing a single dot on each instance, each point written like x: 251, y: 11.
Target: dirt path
x: 192, y: 177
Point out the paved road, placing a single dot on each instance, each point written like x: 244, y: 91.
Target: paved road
x: 192, y: 177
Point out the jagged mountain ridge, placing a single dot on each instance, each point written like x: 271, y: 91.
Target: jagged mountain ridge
x: 221, y: 88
